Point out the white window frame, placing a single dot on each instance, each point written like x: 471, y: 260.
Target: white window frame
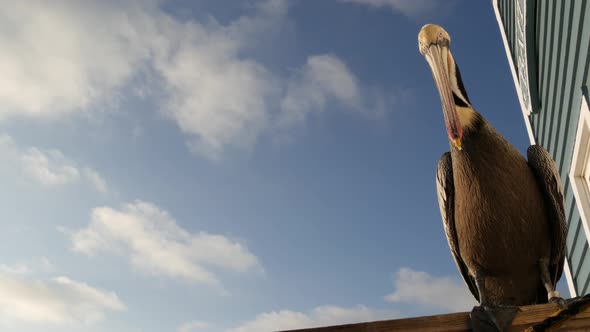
x: 579, y: 173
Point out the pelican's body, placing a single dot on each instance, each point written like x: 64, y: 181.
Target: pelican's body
x: 501, y: 219
x: 503, y: 216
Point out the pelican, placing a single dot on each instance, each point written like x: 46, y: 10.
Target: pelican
x: 503, y: 216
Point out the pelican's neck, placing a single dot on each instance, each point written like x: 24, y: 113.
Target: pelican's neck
x: 472, y: 124
x: 457, y: 86
x: 479, y: 135
x: 468, y: 117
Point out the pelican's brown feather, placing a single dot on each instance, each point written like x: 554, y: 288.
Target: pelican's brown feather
x: 549, y: 180
x: 446, y: 202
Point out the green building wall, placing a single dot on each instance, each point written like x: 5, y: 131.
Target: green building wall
x: 557, y: 34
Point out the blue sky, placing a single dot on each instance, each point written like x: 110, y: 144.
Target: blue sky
x: 230, y: 165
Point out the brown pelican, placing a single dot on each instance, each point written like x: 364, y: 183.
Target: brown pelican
x: 503, y: 216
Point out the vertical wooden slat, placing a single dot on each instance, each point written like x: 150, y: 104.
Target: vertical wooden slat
x: 554, y: 40
x: 579, y: 61
x: 560, y: 78
x: 548, y: 48
x: 566, y: 133
x: 541, y: 63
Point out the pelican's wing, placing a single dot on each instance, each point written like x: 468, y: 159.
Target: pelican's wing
x: 446, y: 201
x: 548, y: 179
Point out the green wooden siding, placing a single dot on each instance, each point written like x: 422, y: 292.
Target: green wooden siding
x: 561, y: 48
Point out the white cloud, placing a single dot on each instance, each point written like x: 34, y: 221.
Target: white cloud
x: 218, y: 98
x: 155, y: 244
x: 55, y: 60
x: 222, y: 100
x: 424, y: 289
x: 47, y: 166
x: 38, y: 265
x: 18, y: 268
x: 44, y: 264
x: 323, y: 77
x: 410, y: 8
x: 199, y: 73
x: 320, y: 316
x: 55, y: 301
x: 411, y: 287
x: 192, y: 326
x: 96, y: 180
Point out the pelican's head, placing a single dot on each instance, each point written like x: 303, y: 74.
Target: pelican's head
x: 434, y: 42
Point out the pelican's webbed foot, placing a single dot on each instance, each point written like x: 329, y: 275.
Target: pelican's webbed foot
x: 559, y: 300
x: 552, y: 294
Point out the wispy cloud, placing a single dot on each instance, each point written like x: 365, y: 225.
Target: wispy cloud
x: 411, y: 287
x: 192, y: 326
x: 54, y: 59
x: 421, y: 288
x: 18, y: 268
x: 55, y: 301
x: 323, y: 77
x: 199, y: 74
x: 220, y: 99
x: 37, y: 265
x: 217, y: 99
x: 96, y: 180
x: 320, y: 316
x: 215, y: 96
x: 155, y: 244
x: 410, y: 8
x: 49, y: 167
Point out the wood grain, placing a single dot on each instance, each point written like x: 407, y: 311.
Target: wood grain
x: 459, y: 322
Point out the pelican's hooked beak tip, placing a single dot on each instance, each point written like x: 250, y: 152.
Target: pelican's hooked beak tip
x: 457, y: 143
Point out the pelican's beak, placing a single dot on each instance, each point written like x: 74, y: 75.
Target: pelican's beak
x: 439, y: 60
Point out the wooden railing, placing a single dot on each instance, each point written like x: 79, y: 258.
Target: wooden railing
x: 578, y: 320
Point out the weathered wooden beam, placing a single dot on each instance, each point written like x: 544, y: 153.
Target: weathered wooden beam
x: 459, y: 322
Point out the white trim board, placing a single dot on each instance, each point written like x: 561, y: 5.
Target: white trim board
x: 569, y: 279
x: 579, y: 166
